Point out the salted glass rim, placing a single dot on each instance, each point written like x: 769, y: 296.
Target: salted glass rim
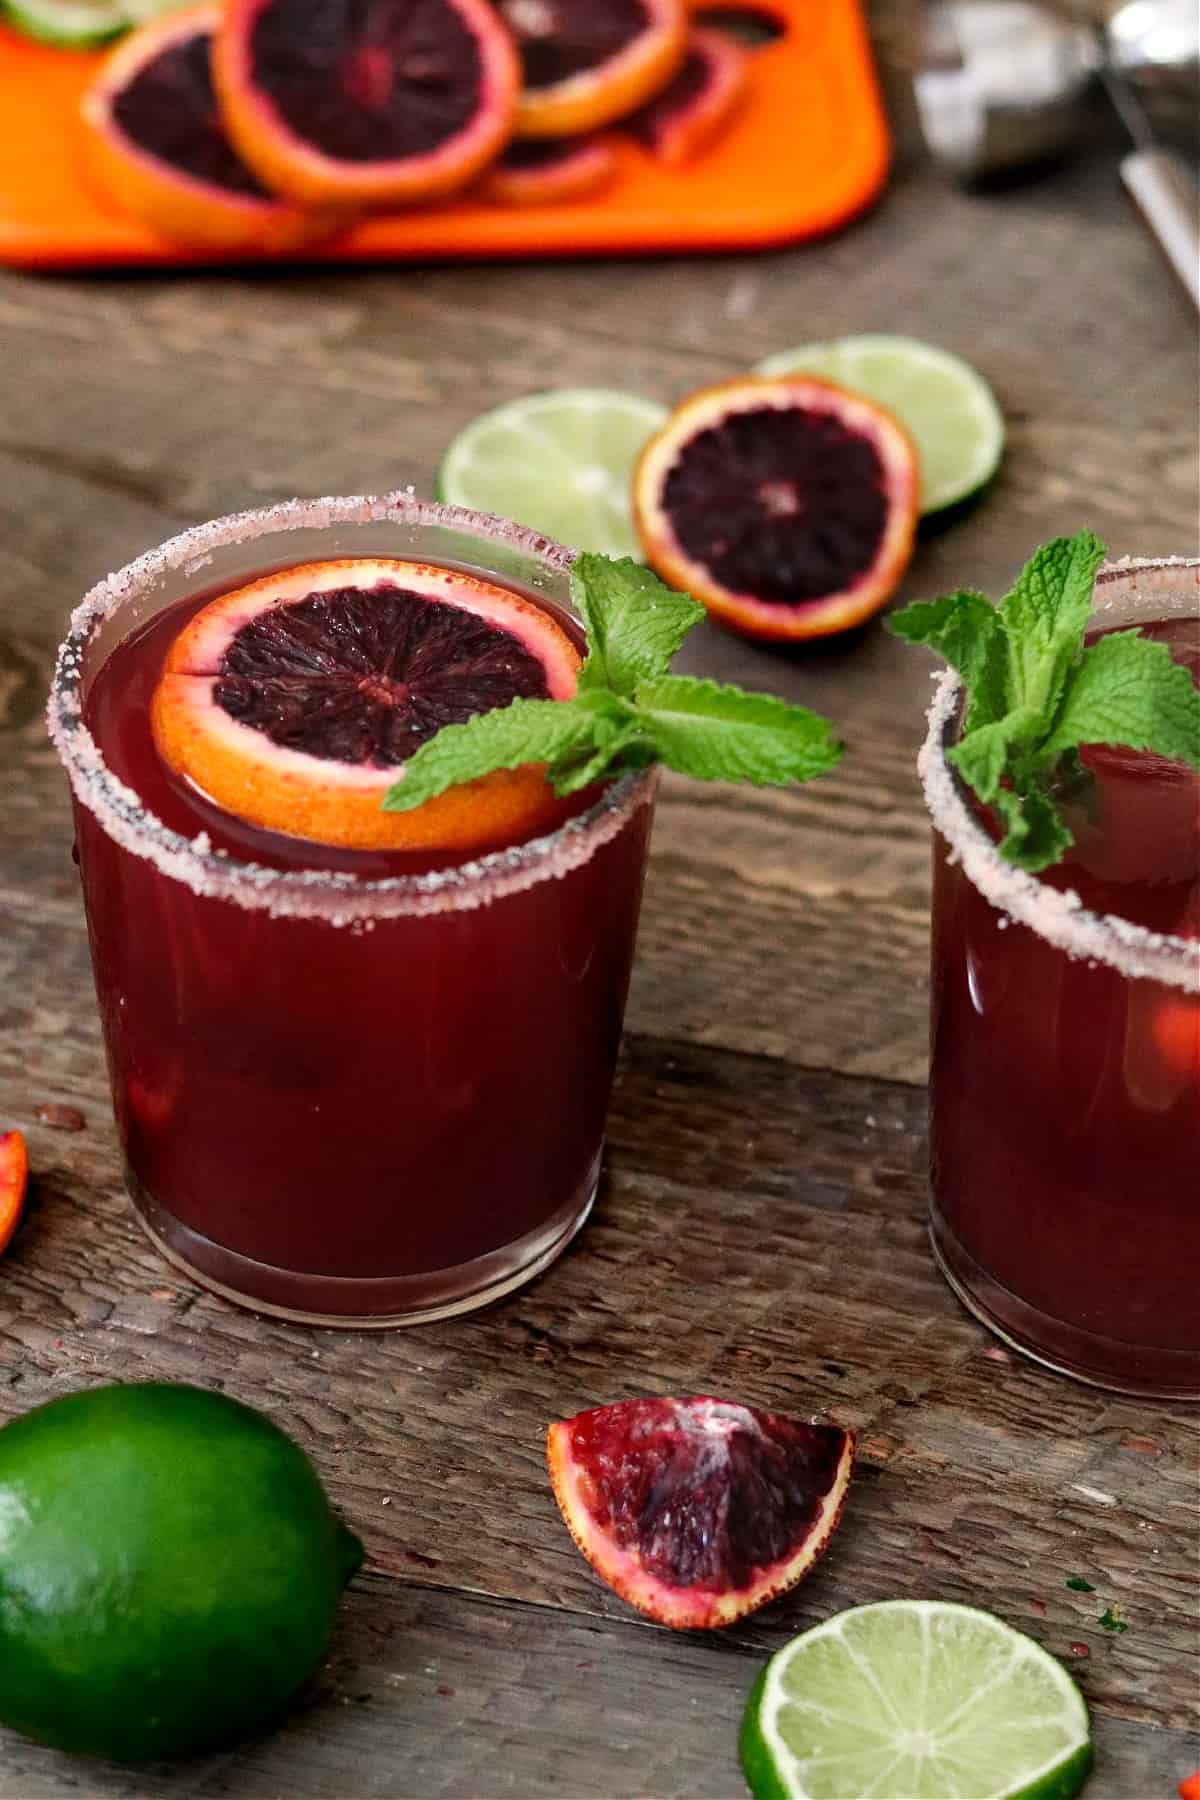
x: 338, y: 897
x: 1058, y: 916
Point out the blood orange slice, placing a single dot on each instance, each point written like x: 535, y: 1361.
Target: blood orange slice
x: 154, y: 143
x: 698, y: 1511
x: 588, y: 62
x: 536, y: 171
x: 366, y: 105
x: 785, y: 504
x: 293, y: 703
x: 14, y: 1179
x: 694, y: 106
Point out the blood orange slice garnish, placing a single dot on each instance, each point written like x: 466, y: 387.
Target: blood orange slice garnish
x: 698, y: 1511
x: 366, y: 104
x: 694, y: 106
x: 588, y: 62
x: 535, y: 171
x: 14, y: 1179
x: 294, y: 703
x: 786, y: 504
x: 154, y: 143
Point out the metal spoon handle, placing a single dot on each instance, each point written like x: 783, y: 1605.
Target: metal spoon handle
x: 1166, y: 197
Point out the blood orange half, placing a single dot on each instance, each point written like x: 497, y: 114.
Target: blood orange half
x: 786, y: 504
x: 366, y: 105
x: 293, y: 703
x: 588, y: 62
x: 535, y: 171
x: 154, y: 143
x: 694, y: 106
x: 698, y: 1511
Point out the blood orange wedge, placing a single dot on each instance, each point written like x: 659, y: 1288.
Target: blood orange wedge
x: 588, y: 62
x: 14, y: 1178
x: 535, y: 171
x: 698, y: 1511
x: 694, y: 106
x: 293, y: 703
x: 366, y: 105
x: 153, y: 142
x: 785, y: 504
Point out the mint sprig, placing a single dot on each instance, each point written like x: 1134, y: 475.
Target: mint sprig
x: 1036, y: 692
x: 628, y: 710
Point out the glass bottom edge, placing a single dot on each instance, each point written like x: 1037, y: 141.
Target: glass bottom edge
x: 351, y: 1303
x: 1065, y: 1349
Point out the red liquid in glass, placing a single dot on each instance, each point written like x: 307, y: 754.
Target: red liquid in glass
x: 369, y: 1105
x: 1065, y: 1099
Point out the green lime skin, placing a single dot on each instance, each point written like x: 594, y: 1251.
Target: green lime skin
x: 169, y: 1570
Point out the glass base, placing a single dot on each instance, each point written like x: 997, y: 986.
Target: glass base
x: 376, y: 1304
x: 1153, y: 1373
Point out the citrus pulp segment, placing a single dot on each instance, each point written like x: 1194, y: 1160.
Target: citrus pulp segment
x: 922, y: 1698
x: 696, y: 103
x: 366, y: 107
x: 153, y: 142
x: 14, y: 1178
x: 536, y: 171
x: 786, y: 504
x: 698, y: 1511
x: 560, y: 463
x: 294, y: 703
x: 947, y: 407
x: 588, y: 62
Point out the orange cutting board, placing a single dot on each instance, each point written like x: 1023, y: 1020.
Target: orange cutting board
x: 808, y: 149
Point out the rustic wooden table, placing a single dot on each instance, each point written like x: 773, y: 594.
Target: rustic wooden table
x: 760, y: 1232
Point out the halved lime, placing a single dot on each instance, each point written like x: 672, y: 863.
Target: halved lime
x: 920, y: 1698
x: 66, y: 24
x: 947, y: 407
x: 561, y: 463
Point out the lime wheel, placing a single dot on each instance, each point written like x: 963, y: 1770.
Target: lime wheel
x: 154, y: 143
x: 295, y: 702
x: 538, y: 171
x: 786, y: 505
x: 698, y: 1511
x: 588, y: 62
x: 366, y: 105
x: 697, y: 103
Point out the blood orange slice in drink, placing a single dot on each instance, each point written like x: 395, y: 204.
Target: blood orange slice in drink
x: 695, y: 105
x: 14, y: 1178
x: 154, y: 143
x: 294, y: 703
x: 698, y: 1511
x: 366, y: 105
x: 588, y: 62
x: 536, y: 171
x: 786, y: 504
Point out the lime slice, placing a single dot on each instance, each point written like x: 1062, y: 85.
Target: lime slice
x: 67, y: 24
x: 915, y: 1697
x: 948, y: 408
x: 561, y: 463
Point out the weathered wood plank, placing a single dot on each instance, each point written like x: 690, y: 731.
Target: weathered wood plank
x: 459, y: 1697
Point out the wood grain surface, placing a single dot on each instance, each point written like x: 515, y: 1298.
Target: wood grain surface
x: 760, y: 1231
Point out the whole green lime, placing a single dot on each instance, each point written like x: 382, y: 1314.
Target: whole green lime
x: 169, y: 1570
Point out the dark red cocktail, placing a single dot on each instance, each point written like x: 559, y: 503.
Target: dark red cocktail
x: 1065, y: 1077
x: 350, y: 1085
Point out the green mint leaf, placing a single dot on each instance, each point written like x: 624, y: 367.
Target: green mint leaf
x: 525, y: 731
x: 1079, y: 1584
x: 721, y: 733
x: 1036, y: 837
x: 1044, y: 619
x: 635, y: 623
x: 964, y: 628
x: 985, y: 756
x: 1111, y: 1620
x: 1129, y: 690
